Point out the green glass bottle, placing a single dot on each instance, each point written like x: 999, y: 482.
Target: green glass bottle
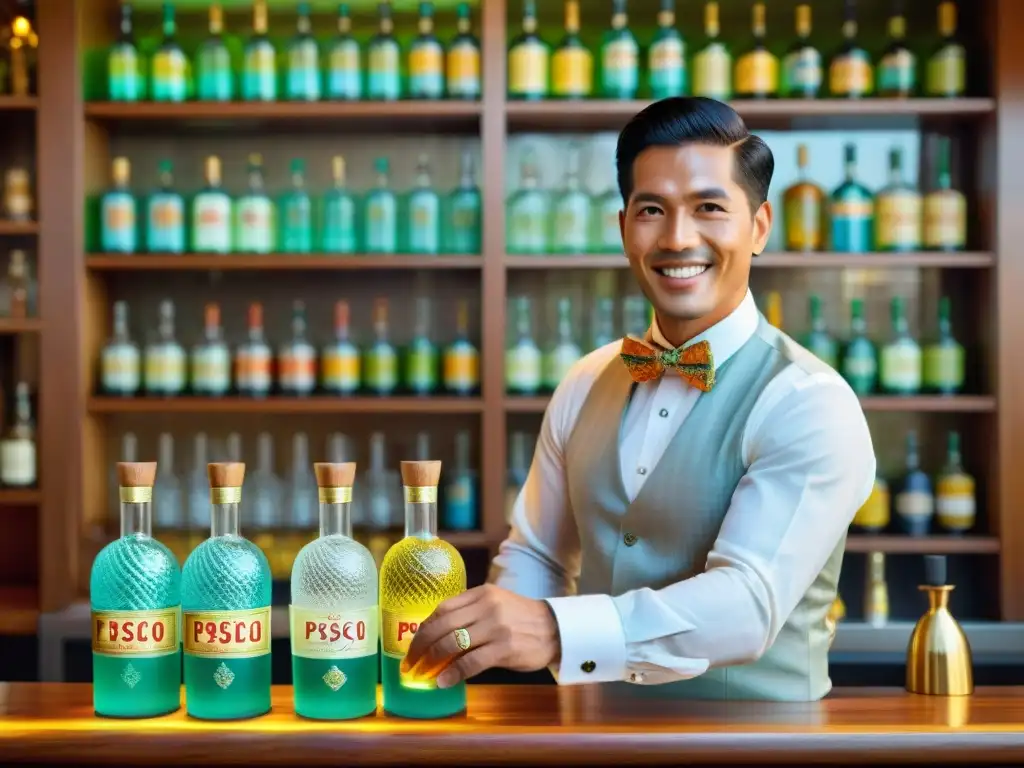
x: 712, y: 64
x: 526, y: 220
x: 463, y: 61
x: 380, y: 361
x: 297, y: 213
x: 169, y: 75
x: 124, y: 67
x: 564, y: 353
x: 801, y: 68
x: 421, y: 356
x: 211, y: 213
x: 259, y: 64
x: 214, y: 79
x: 302, y: 82
x: 666, y: 58
x: 118, y: 218
x: 944, y: 357
x: 344, y: 80
x: 165, y: 215
x: 381, y: 228
x: 383, y: 75
x: 860, y: 359
x: 947, y: 67
x: 897, y: 210
x: 339, y: 207
x: 529, y: 59
x: 897, y: 69
x: 254, y: 213
x: 818, y: 340
x: 901, y: 358
x: 426, y: 59
x: 570, y: 215
x: 572, y: 64
x: 424, y: 212
x: 852, y: 211
x: 461, y: 359
x: 850, y: 75
x: 464, y: 208
x: 607, y: 237
x: 620, y: 57
x: 522, y: 357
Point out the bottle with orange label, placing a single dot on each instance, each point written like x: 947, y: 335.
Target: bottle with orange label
x: 253, y: 358
x: 225, y: 604
x: 297, y: 358
x: 461, y: 374
x: 462, y: 63
x: 572, y: 65
x: 135, y: 597
x: 528, y: 59
x: 757, y: 70
x: 850, y: 74
x: 418, y: 573
x: 340, y: 371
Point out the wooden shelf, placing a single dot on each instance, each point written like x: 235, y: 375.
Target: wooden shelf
x: 18, y: 103
x: 19, y: 228
x: 10, y: 326
x: 788, y: 260
x: 885, y: 403
x: 19, y: 610
x: 922, y: 545
x: 278, y: 261
x: 315, y: 405
x: 19, y: 497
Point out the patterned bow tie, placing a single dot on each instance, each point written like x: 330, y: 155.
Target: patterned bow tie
x: 694, y: 364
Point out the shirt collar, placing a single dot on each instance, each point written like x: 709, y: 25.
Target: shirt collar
x: 726, y: 336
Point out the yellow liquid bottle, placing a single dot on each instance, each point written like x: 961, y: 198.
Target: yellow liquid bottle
x: 418, y: 573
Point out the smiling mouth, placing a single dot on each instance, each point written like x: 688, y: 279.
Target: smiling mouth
x: 682, y: 272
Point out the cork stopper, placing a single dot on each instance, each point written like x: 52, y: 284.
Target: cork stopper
x: 228, y: 474
x: 418, y: 474
x: 136, y: 474
x: 330, y: 475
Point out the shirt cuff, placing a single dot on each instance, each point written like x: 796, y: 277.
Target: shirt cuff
x: 592, y: 637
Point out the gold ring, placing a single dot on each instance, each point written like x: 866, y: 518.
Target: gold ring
x: 462, y: 639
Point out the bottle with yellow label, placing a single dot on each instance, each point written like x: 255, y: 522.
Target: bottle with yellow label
x: 170, y: 67
x: 572, y: 65
x: 340, y: 368
x: 900, y: 370
x: 874, y: 514
x: 426, y: 59
x: 946, y: 72
x: 135, y: 597
x: 463, y: 61
x: 528, y: 59
x: 801, y: 68
x: 712, y: 64
x: 225, y: 604
x: 897, y: 70
x: 954, y: 498
x: 876, y: 592
x: 418, y: 573
x: 461, y: 374
x: 804, y: 206
x: 897, y: 210
x: 944, y: 357
x: 850, y: 74
x: 945, y: 208
x: 757, y: 70
x: 620, y: 57
x: 773, y: 308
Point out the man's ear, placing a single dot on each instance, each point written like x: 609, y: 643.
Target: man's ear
x: 622, y: 226
x: 762, y: 227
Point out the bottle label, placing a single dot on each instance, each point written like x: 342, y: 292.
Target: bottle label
x: 528, y: 225
x: 214, y: 80
x: 802, y: 71
x: 304, y: 71
x: 667, y: 65
x: 572, y: 72
x: 803, y: 222
x: 620, y: 66
x: 166, y: 225
x: 343, y: 72
x: 465, y: 228
x: 18, y: 461
x: 914, y: 504
x: 342, y: 634
x: 528, y: 69
x: 297, y: 233
x: 381, y: 369
x: 398, y: 629
x: 571, y: 224
x: 954, y: 502
x: 253, y: 369
x: 896, y: 72
x: 426, y: 71
x: 382, y: 71
x: 757, y: 73
x: 254, y: 224
x: 211, y: 369
x: 227, y: 634
x: 464, y: 70
x: 339, y: 225
x: 121, y: 369
x: 118, y: 223
x: 850, y: 75
x: 877, y: 610
x: 298, y: 368
x: 945, y: 220
x: 859, y: 370
x: 944, y: 367
x: 135, y: 633
x: 169, y: 75
x: 125, y: 81
x: 712, y: 75
x: 898, y: 220
x: 523, y: 368
x: 874, y: 514
x: 461, y: 368
x: 165, y: 369
x: 420, y: 372
x: 901, y: 368
x: 558, y: 363
x: 423, y: 226
x: 381, y: 232
x: 341, y: 369
x: 259, y: 77
x: 212, y: 223
x: 852, y: 225
x: 946, y: 71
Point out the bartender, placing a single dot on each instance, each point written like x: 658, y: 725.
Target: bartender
x: 684, y: 519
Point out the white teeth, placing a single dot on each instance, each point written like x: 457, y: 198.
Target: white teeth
x: 682, y: 273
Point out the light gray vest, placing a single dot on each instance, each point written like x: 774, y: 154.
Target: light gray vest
x: 677, y: 515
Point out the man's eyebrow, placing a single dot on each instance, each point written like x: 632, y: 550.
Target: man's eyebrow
x: 710, y: 193
x: 649, y: 197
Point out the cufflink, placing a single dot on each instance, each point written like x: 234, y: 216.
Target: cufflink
x: 588, y: 666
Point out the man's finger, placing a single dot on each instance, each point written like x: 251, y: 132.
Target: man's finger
x: 439, y: 655
x: 471, y: 664
x: 437, y: 629
x: 461, y: 600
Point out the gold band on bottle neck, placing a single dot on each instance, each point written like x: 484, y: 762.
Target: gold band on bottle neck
x: 225, y: 495
x: 335, y: 495
x: 133, y: 494
x: 420, y: 494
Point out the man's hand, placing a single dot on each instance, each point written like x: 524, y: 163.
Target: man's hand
x: 505, y: 630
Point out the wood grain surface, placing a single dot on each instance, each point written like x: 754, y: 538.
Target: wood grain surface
x: 533, y: 725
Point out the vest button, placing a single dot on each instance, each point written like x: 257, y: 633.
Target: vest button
x: 641, y: 470
x: 629, y: 539
x: 663, y: 413
x: 588, y: 666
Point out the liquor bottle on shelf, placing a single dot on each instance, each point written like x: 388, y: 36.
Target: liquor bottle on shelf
x: 381, y: 484
x: 302, y: 80
x: 426, y: 59
x: 264, y: 500
x: 565, y: 351
x: 135, y: 604
x: 634, y: 316
x: 254, y: 212
x: 915, y: 503
x: 876, y: 593
x: 253, y: 358
x: 339, y: 213
x: 211, y: 358
x: 18, y: 446
x: 874, y: 515
x: 259, y: 59
x: 620, y: 57
x: 383, y: 71
x: 169, y: 72
x: 215, y: 80
x: 945, y: 208
x: 169, y: 504
x: 943, y: 366
x: 380, y: 362
x: 801, y: 67
x: 18, y: 293
x: 165, y: 215
x: 518, y: 467
x: 527, y: 210
x: 900, y: 369
x: 757, y: 70
x: 460, y: 499
x: 418, y: 573
x: 334, y: 610
x: 773, y: 308
x: 117, y: 207
x: 523, y: 357
x: 712, y: 64
x: 211, y: 213
x: 125, y: 81
x: 297, y: 213
x: 897, y: 210
x: 120, y: 367
x: 897, y: 69
x: 340, y: 365
x: 572, y: 64
x: 301, y: 486
x: 462, y: 63
x: 197, y: 490
x: 381, y: 210
x: 607, y: 236
x: 297, y: 358
x: 225, y: 603
x: 852, y: 210
x: 860, y: 359
x: 17, y: 203
x: 570, y: 214
x: 528, y: 59
x: 165, y: 358
x: 421, y: 359
x: 804, y: 209
x: 666, y: 57
x: 946, y: 69
x: 464, y: 206
x: 954, y: 491
x: 850, y: 74
x: 344, y: 78
x: 424, y: 212
x: 818, y: 340
x: 422, y: 450
x: 602, y: 322
x: 461, y: 367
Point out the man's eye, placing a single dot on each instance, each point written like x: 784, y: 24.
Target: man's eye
x: 650, y: 210
x: 710, y: 208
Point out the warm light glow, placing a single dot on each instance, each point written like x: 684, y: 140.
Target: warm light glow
x: 21, y: 26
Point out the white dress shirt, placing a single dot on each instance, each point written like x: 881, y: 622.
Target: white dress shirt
x: 809, y: 466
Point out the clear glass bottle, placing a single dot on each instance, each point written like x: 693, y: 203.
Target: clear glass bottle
x: 424, y: 212
x: 900, y: 370
x: 462, y: 65
x: 344, y: 79
x: 120, y: 367
x: 383, y: 71
x: 297, y: 358
x: 125, y: 80
x: 265, y: 497
x: 381, y: 210
x: 943, y: 359
x: 461, y: 359
x: 211, y: 213
x: 169, y: 74
x: 339, y: 213
x: 565, y: 352
x: 253, y: 359
x: 18, y: 453
x: 954, y: 498
x: 169, y: 502
x: 522, y: 357
x: 211, y: 358
x: 426, y: 59
x: 380, y: 360
x: 259, y: 59
x: 198, y: 490
x: 529, y: 59
x: 528, y: 210
x: 297, y: 213
x: 570, y: 214
x: 254, y: 213
x: 165, y: 358
x: 225, y: 603
x: 341, y: 366
x: 301, y: 486
x: 461, y: 512
x: 118, y: 213
x: 876, y: 595
x: 464, y: 206
x: 421, y: 358
x: 518, y: 468
x: 897, y: 210
x: 165, y: 215
x: 302, y: 82
x: 215, y: 80
x: 666, y: 57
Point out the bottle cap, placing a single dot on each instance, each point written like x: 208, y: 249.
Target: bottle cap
x: 136, y: 474
x: 420, y: 474
x: 935, y: 570
x: 228, y: 474
x: 335, y: 475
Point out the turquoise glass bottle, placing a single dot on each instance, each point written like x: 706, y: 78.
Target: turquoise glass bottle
x: 339, y: 214
x: 666, y: 58
x: 527, y: 211
x: 254, y: 213
x: 297, y: 213
x: 383, y: 71
x: 259, y: 60
x: 381, y: 212
x: 117, y: 212
x: 169, y: 73
x: 852, y: 211
x: 460, y: 511
x: 124, y: 69
x: 464, y: 207
x: 344, y: 79
x: 818, y: 339
x: 165, y: 215
x: 424, y: 212
x: 135, y: 599
x: 302, y: 82
x: 860, y: 358
x: 620, y: 57
x: 214, y: 78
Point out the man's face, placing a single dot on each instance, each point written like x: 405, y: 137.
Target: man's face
x: 688, y: 230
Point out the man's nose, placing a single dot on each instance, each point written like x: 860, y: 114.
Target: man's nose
x: 680, y: 233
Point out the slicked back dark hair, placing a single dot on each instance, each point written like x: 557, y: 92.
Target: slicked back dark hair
x: 696, y: 120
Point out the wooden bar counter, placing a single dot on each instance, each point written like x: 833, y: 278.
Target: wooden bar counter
x: 533, y: 725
